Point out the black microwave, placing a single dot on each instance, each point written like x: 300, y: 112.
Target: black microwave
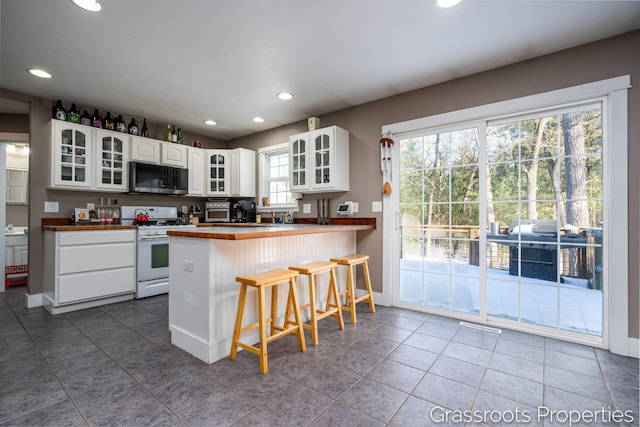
x: 157, y: 179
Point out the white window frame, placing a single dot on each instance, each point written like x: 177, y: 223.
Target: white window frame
x: 615, y: 203
x: 263, y: 180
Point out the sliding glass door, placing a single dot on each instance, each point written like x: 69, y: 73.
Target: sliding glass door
x: 544, y: 188
x: 503, y: 219
x: 439, y: 208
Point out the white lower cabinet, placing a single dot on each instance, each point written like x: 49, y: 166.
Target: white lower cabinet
x: 88, y: 268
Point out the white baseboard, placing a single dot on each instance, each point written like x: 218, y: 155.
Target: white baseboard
x: 33, y: 300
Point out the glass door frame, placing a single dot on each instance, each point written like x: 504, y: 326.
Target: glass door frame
x: 615, y: 255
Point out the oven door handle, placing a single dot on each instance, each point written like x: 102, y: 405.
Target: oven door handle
x: 154, y: 237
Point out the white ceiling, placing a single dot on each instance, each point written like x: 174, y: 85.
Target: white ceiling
x: 186, y: 61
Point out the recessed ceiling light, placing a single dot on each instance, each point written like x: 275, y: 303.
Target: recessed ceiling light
x: 285, y: 96
x: 40, y: 73
x: 447, y: 3
x: 210, y: 122
x: 90, y: 5
x: 258, y: 119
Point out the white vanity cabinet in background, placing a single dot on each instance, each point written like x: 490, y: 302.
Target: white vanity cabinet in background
x: 145, y: 150
x: 243, y: 173
x: 196, y: 165
x: 16, y: 249
x: 88, y: 268
x: 173, y: 154
x: 319, y: 160
x: 112, y: 158
x: 72, y: 165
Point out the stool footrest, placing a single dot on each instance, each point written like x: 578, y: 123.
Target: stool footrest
x: 252, y: 349
x: 282, y: 331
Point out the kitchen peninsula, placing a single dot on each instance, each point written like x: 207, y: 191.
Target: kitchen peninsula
x: 203, y: 293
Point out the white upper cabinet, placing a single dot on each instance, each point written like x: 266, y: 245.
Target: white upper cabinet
x: 319, y: 160
x: 72, y: 162
x: 112, y: 158
x: 173, y: 155
x: 145, y: 150
x: 243, y: 172
x: 217, y: 172
x: 196, y: 165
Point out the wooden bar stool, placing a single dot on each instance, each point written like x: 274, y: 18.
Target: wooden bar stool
x: 350, y: 261
x: 261, y: 281
x: 311, y: 270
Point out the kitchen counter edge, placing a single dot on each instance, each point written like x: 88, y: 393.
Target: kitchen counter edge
x: 261, y: 232
x: 87, y: 227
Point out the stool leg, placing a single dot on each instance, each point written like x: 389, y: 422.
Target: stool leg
x: 351, y: 294
x: 238, y: 325
x: 312, y: 307
x: 274, y: 308
x: 367, y: 280
x: 262, y: 313
x: 296, y: 312
x: 333, y: 294
x: 288, y: 311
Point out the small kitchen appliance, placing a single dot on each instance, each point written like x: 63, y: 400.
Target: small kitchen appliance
x: 217, y: 211
x: 244, y: 211
x: 152, y: 254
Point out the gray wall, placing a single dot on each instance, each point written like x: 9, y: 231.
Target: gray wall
x: 600, y: 60
x: 596, y: 61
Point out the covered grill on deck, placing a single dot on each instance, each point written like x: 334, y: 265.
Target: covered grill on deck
x: 534, y: 245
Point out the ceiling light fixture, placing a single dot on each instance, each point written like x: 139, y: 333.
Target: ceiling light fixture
x: 25, y: 150
x: 285, y: 96
x: 258, y: 119
x: 90, y: 5
x: 38, y: 72
x: 11, y: 148
x: 210, y: 122
x: 447, y: 3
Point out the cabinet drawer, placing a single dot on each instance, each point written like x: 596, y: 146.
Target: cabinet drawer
x: 83, y: 286
x: 75, y: 259
x: 95, y: 237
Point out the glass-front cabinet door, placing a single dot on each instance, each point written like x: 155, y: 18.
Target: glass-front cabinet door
x: 218, y: 163
x: 298, y: 160
x: 72, y: 159
x: 111, y: 160
x: 322, y: 159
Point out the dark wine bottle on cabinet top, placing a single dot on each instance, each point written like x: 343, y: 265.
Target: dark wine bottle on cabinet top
x: 144, y: 131
x: 133, y: 127
x: 174, y: 134
x: 108, y: 122
x: 58, y: 111
x: 73, y: 115
x: 96, y: 119
x: 121, y: 126
x: 85, y: 119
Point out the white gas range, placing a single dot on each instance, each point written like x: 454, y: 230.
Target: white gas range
x: 153, y: 245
